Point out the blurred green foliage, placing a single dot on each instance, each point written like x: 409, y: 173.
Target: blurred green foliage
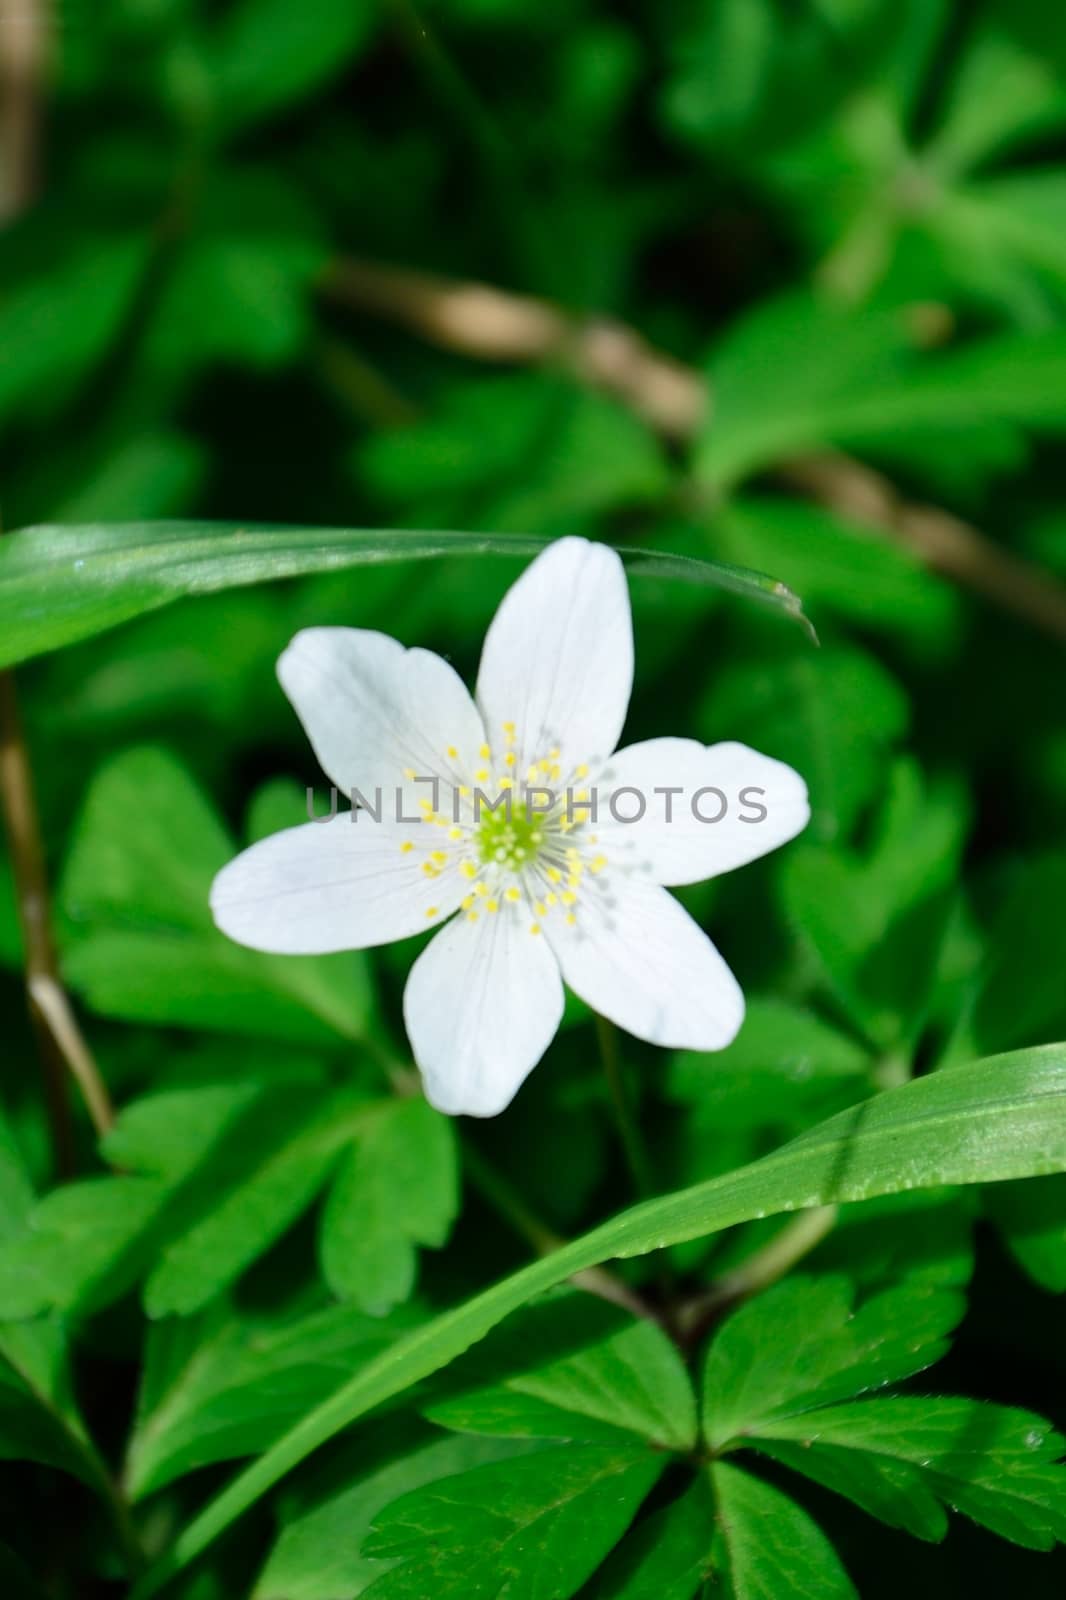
x: 842, y: 224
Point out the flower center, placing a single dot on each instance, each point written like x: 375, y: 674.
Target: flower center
x: 508, y: 837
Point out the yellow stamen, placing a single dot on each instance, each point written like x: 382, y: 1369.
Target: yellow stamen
x: 535, y: 928
x: 406, y: 847
x: 433, y: 911
x: 512, y: 895
x: 492, y: 905
x: 468, y: 869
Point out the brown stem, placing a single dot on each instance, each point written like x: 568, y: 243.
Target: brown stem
x: 24, y: 39
x: 62, y: 1046
x: 489, y: 324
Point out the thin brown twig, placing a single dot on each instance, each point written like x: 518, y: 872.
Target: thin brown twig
x: 60, y: 1039
x: 490, y: 324
x: 24, y: 42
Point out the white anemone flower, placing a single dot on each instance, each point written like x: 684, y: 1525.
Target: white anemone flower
x: 538, y: 891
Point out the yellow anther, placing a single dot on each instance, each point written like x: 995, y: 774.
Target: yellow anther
x: 492, y: 905
x: 572, y: 852
x: 430, y: 870
x: 597, y: 864
x: 535, y: 927
x: 555, y: 875
x: 568, y: 897
x: 465, y: 791
x: 425, y: 806
x: 471, y: 916
x: 512, y: 894
x: 468, y: 869
x: 440, y: 857
x: 455, y: 832
x: 482, y: 775
x: 467, y: 902
x: 484, y: 752
x: 582, y: 771
x: 541, y: 909
x: 480, y: 888
x: 510, y: 758
x: 506, y: 783
x: 432, y: 911
x: 571, y: 919
x: 453, y: 754
x: 410, y: 774
x: 550, y: 899
x: 406, y: 847
x: 531, y: 774
x: 508, y: 728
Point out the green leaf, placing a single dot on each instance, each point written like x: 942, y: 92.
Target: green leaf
x: 135, y: 893
x: 802, y: 1345
x: 535, y: 1525
x: 833, y: 714
x: 470, y: 459
x: 784, y: 1061
x: 1021, y: 996
x: 319, y: 1553
x: 902, y: 1455
x: 667, y: 1556
x: 211, y: 1178
x: 55, y: 329
x: 216, y: 1387
x: 800, y: 374
x: 877, y: 923
x: 769, y: 1547
x: 1032, y: 1219
x: 993, y: 1120
x: 839, y: 565
x: 632, y: 1381
x: 397, y: 1189
x: 58, y: 585
x: 265, y: 55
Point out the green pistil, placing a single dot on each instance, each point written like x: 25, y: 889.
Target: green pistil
x: 511, y: 842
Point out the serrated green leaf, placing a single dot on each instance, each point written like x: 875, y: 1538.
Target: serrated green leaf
x: 135, y: 894
x: 216, y: 1387
x: 632, y: 1381
x: 802, y: 1345
x: 266, y: 55
x: 538, y: 1524
x: 318, y: 1555
x: 224, y: 1170
x: 667, y: 1556
x: 999, y: 1466
x: 396, y: 1189
x: 58, y: 585
x: 769, y: 1547
x: 993, y: 1120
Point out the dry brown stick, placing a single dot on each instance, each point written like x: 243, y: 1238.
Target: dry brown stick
x: 24, y: 41
x: 942, y: 542
x: 62, y: 1045
x: 489, y: 324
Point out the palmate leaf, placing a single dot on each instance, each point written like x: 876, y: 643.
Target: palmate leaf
x: 667, y: 1556
x: 802, y: 1345
x: 319, y: 1554
x: 632, y: 1381
x: 540, y: 1524
x: 996, y: 1119
x: 769, y: 1547
x: 140, y: 942
x: 61, y: 584
x: 904, y: 1458
x: 217, y: 1386
x: 210, y: 1178
x: 783, y: 1375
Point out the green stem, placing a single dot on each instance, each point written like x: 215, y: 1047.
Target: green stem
x: 777, y: 1258
x: 625, y: 1116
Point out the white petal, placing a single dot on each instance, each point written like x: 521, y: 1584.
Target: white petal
x: 558, y: 657
x: 636, y: 956
x: 751, y: 804
x: 482, y: 1005
x: 334, y: 885
x: 373, y: 710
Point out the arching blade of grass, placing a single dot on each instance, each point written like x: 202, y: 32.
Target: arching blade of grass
x: 61, y: 584
x: 1001, y: 1118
